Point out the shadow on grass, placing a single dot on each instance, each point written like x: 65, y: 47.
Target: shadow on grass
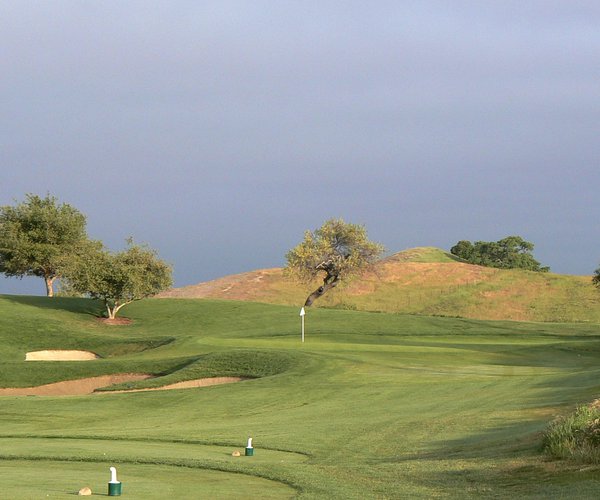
x: 507, y: 459
x: 496, y: 463
x: 71, y: 304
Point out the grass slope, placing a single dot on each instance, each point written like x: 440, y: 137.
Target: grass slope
x: 426, y: 281
x: 370, y: 406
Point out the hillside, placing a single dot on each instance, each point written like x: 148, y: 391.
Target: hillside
x: 426, y: 281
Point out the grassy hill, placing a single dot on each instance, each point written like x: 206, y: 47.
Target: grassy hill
x: 370, y: 406
x: 426, y: 281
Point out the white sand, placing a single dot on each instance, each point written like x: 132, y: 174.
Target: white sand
x: 60, y: 355
x: 73, y: 387
x: 189, y: 384
x: 85, y: 386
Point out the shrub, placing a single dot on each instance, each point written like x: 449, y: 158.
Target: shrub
x: 576, y: 436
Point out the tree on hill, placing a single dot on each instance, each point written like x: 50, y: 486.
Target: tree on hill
x: 512, y: 252
x: 38, y: 237
x: 596, y: 278
x: 119, y: 278
x: 338, y: 249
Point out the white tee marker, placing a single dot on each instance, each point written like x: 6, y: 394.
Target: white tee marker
x: 113, y: 475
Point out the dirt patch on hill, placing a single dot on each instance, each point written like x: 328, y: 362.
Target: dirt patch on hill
x: 244, y: 286
x: 115, y: 321
x: 78, y: 387
x: 433, y: 273
x: 60, y: 355
x: 268, y: 284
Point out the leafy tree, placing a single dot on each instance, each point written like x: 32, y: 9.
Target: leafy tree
x: 512, y: 252
x: 596, y: 278
x: 463, y: 249
x: 38, y: 236
x: 118, y: 278
x: 338, y: 249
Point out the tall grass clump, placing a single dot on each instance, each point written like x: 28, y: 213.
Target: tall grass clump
x: 575, y: 437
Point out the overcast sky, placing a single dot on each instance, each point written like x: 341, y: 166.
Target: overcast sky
x: 219, y: 131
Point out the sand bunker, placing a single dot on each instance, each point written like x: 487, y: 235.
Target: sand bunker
x: 85, y: 386
x: 189, y: 384
x: 89, y: 385
x: 60, y: 355
x: 73, y: 387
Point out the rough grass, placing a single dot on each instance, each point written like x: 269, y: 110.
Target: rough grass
x: 372, y: 405
x: 575, y: 436
x: 244, y: 363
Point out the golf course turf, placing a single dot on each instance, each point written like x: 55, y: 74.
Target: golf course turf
x: 371, y: 405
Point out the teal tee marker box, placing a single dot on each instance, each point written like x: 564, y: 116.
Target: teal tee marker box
x: 114, y: 489
x: 249, y: 448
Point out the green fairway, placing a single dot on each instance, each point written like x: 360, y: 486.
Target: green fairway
x: 372, y: 405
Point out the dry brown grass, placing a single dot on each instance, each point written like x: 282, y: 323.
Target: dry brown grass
x: 410, y: 282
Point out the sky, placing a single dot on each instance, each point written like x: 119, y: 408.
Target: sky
x: 217, y: 132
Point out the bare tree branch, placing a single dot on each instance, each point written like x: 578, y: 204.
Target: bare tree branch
x: 329, y: 282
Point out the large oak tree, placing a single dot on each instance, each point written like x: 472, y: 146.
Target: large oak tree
x: 336, y: 251
x: 38, y: 237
